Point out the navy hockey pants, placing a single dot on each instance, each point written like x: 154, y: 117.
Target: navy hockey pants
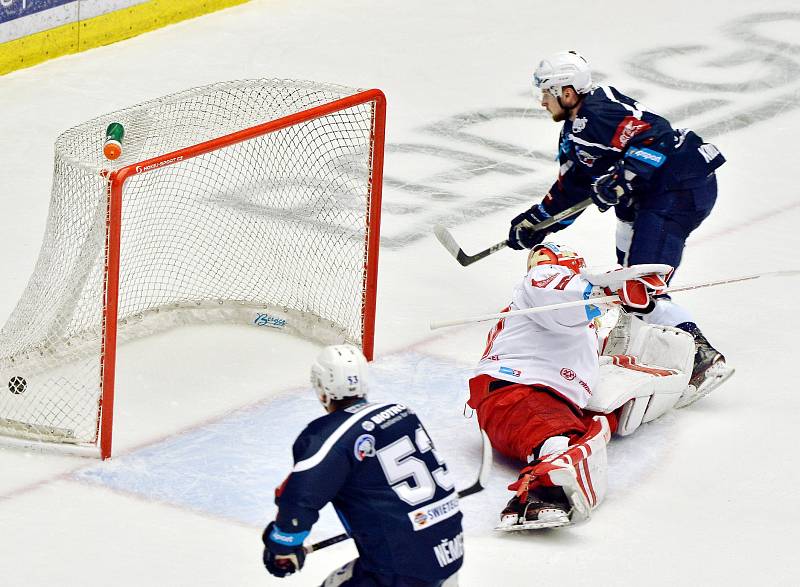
x: 662, y: 221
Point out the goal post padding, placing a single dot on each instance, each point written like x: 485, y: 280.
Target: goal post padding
x: 252, y: 202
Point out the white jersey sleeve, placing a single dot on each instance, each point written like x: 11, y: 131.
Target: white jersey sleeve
x: 556, y: 349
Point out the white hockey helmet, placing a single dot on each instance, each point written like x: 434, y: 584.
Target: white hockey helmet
x: 565, y: 68
x: 339, y: 372
x: 553, y: 254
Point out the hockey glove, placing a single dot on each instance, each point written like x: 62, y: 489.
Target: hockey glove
x: 635, y: 285
x: 523, y: 234
x: 283, y: 552
x: 610, y: 189
x: 637, y: 294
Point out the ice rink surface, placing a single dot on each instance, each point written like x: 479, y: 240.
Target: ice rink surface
x: 206, y: 415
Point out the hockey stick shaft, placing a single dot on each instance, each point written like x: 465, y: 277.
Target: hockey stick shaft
x: 479, y: 485
x: 605, y: 299
x: 449, y: 243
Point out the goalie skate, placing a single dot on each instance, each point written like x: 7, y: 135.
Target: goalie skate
x: 710, y: 371
x: 534, y: 514
x: 706, y: 382
x: 566, y: 486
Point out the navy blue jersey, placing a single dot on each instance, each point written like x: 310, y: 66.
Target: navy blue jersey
x: 610, y: 127
x: 377, y: 465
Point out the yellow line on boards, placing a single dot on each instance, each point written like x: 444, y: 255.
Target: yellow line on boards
x: 102, y: 30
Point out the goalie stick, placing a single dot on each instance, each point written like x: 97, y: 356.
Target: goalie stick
x: 605, y: 299
x: 449, y: 243
x: 479, y: 485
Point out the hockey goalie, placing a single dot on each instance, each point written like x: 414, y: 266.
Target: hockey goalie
x: 551, y: 388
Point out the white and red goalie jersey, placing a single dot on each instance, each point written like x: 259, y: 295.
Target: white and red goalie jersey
x: 557, y: 349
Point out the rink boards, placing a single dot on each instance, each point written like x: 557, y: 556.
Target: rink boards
x: 32, y: 31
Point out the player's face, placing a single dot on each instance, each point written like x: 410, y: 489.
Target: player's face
x: 550, y: 103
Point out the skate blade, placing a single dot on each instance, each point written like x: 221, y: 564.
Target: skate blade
x: 715, y: 376
x: 534, y: 525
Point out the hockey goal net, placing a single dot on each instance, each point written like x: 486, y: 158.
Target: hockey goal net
x: 241, y: 202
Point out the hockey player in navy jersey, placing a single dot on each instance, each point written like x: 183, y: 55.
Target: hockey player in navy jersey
x: 377, y: 465
x: 660, y: 181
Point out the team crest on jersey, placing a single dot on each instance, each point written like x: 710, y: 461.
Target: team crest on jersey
x: 586, y: 158
x: 364, y: 447
x: 578, y: 125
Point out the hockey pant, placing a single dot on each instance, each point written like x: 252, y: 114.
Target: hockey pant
x: 518, y: 418
x: 655, y: 228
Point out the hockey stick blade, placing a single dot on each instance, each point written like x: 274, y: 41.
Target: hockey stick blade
x: 479, y: 485
x: 449, y: 243
x: 485, y: 470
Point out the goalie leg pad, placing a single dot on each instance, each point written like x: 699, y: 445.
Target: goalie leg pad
x: 581, y: 472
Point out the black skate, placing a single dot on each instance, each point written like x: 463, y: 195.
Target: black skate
x: 709, y: 372
x: 545, y: 507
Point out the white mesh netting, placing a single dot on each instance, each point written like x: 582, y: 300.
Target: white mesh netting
x: 270, y: 231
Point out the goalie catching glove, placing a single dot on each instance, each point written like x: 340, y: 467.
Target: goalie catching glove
x: 634, y: 285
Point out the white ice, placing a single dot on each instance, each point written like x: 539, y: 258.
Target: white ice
x: 206, y: 415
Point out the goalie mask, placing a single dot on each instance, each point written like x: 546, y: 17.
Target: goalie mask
x: 553, y: 254
x: 566, y: 68
x: 339, y: 372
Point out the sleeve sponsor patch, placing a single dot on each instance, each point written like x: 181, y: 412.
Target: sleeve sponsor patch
x: 627, y: 129
x: 648, y: 156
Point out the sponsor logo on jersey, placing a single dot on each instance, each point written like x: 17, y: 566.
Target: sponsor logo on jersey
x: 390, y: 415
x: 586, y: 158
x: 627, y: 129
x: 564, y: 146
x: 510, y: 371
x: 433, y: 513
x: 544, y: 282
x: 653, y: 158
x: 449, y: 551
x: 368, y: 426
x: 568, y: 374
x: 364, y: 447
x: 578, y: 125
x: 268, y: 320
x: 356, y: 407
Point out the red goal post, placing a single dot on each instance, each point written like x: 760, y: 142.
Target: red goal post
x: 278, y: 220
